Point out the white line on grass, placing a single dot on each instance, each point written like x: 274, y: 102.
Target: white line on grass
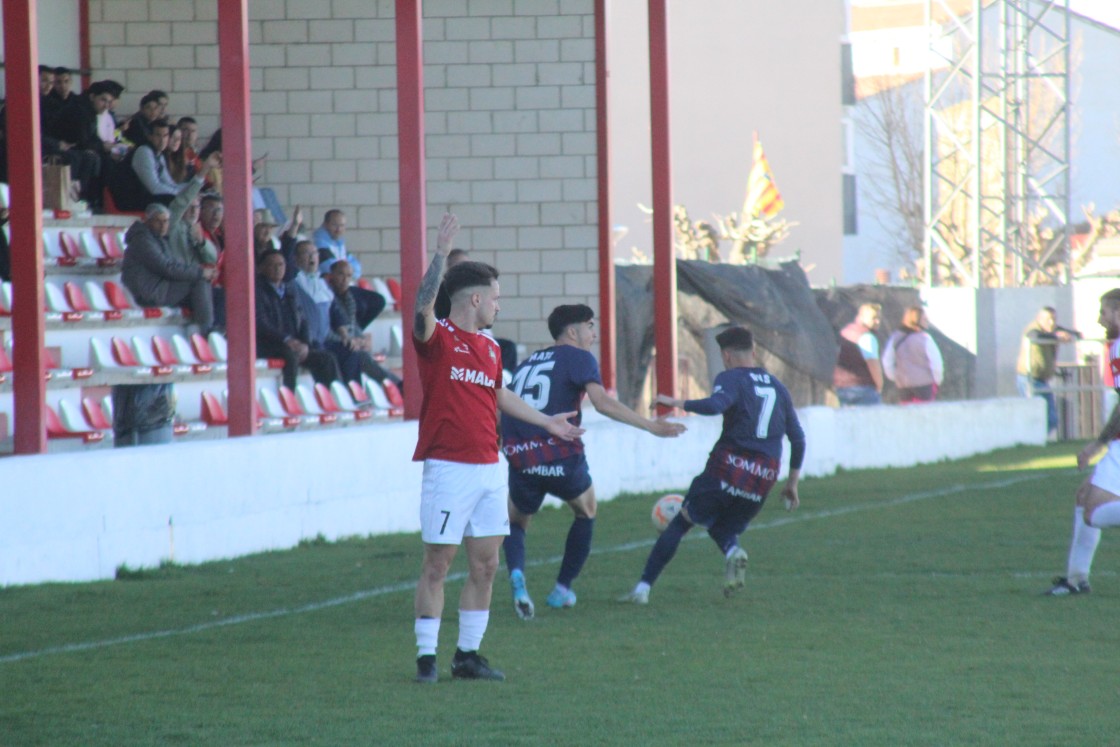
x: 411, y: 585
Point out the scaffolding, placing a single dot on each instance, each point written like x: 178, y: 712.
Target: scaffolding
x: 997, y: 143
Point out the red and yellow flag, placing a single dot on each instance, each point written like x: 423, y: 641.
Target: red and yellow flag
x: 763, y: 198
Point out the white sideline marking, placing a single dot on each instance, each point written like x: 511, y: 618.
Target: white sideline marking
x: 411, y: 585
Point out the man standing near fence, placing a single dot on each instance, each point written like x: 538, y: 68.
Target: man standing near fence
x: 1038, y: 357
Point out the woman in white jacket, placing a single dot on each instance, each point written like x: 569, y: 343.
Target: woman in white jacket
x: 911, y: 358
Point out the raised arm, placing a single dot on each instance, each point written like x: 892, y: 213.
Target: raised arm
x: 424, y: 325
x: 615, y: 410
x: 558, y: 425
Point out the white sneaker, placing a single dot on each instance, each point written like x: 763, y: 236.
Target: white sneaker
x: 735, y: 571
x: 637, y: 596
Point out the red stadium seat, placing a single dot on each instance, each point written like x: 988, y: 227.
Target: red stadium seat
x: 109, y: 247
x: 95, y: 416
x: 75, y: 297
x: 395, y: 291
x: 56, y: 429
x: 393, y: 393
x: 123, y: 354
x: 212, y: 411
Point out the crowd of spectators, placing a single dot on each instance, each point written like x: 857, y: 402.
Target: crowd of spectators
x: 150, y: 163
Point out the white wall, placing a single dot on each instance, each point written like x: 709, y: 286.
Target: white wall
x: 989, y: 322
x: 80, y: 518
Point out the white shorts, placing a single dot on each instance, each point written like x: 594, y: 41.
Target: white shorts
x: 1106, y: 475
x: 460, y: 500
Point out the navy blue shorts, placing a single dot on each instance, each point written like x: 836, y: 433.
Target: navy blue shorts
x: 567, y: 479
x: 732, y: 489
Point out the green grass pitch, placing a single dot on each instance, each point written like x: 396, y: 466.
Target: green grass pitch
x: 897, y: 607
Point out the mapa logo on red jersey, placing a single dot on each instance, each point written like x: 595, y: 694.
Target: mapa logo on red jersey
x: 471, y: 376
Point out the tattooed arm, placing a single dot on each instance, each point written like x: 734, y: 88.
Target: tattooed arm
x: 424, y: 326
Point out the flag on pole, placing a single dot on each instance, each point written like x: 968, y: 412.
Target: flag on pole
x: 763, y: 198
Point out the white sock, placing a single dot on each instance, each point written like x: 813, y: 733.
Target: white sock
x: 642, y: 586
x: 1082, y: 547
x: 472, y: 626
x: 427, y: 635
x: 1106, y: 515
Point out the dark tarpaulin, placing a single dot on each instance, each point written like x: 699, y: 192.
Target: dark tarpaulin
x: 793, y: 337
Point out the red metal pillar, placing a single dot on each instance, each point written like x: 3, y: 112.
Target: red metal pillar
x: 664, y: 261
x: 83, y: 43
x: 233, y: 52
x: 607, y: 337
x: 410, y: 138
x: 25, y: 179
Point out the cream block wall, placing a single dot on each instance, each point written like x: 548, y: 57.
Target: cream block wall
x: 510, y: 96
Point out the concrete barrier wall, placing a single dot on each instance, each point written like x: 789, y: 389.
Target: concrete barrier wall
x: 78, y: 517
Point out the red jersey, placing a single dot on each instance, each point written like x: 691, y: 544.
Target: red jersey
x: 459, y: 372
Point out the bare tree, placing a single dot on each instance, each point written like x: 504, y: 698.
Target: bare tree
x: 890, y: 122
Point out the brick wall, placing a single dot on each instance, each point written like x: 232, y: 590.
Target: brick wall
x: 510, y: 98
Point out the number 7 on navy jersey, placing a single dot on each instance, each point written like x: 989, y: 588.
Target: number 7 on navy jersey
x: 769, y: 398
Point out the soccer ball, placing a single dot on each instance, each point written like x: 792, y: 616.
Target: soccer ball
x: 666, y: 508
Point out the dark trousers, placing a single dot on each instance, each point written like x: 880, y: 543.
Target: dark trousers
x: 319, y: 363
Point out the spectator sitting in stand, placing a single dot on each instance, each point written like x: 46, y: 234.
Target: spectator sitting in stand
x: 85, y: 166
x: 212, y: 213
x: 331, y: 236
x: 139, y: 125
x: 185, y: 236
x: 107, y: 121
x: 282, y: 330
x: 178, y: 166
x: 158, y: 279
x: 350, y: 345
x: 189, y: 127
x: 61, y: 90
x: 145, y: 177
x: 316, y: 296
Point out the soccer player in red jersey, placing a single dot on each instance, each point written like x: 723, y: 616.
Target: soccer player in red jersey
x: 463, y: 495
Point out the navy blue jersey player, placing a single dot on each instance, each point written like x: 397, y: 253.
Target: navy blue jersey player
x: 554, y: 380
x: 742, y: 467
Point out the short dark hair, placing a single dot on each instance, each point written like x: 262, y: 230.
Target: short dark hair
x: 149, y: 98
x: 330, y: 213
x: 46, y: 69
x: 735, y: 338
x: 1112, y: 298
x: 566, y: 315
x: 267, y: 253
x: 98, y: 88
x: 114, y: 87
x: 161, y: 122
x: 62, y: 71
x: 468, y: 275
x: 186, y: 120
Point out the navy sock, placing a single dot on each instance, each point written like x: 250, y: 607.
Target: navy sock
x: 576, y: 550
x: 665, y: 548
x: 723, y: 536
x: 514, y: 546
